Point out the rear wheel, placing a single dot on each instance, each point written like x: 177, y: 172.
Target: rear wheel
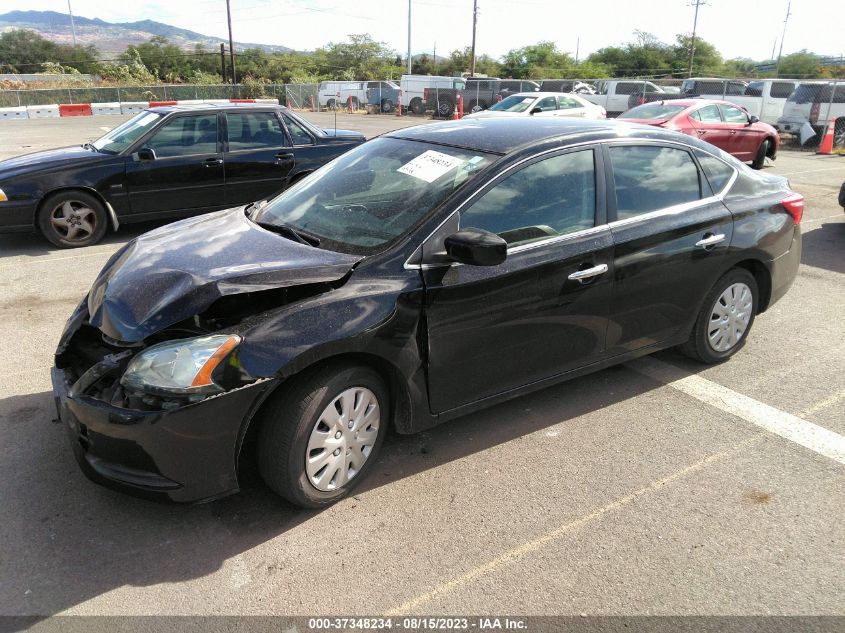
x: 386, y: 105
x: 725, y: 318
x: 417, y: 106
x: 320, y: 436
x: 760, y: 158
x: 331, y: 104
x: 71, y: 219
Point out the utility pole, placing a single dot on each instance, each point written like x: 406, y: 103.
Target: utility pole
x: 577, y: 48
x: 434, y: 58
x: 72, y: 25
x: 409, y: 37
x: 696, y: 4
x: 783, y: 37
x: 231, y: 44
x: 474, y: 23
x: 223, y: 61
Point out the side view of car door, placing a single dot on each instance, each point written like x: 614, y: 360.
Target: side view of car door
x: 671, y: 235
x: 543, y: 311
x: 707, y: 124
x: 178, y: 167
x: 258, y: 156
x: 744, y: 139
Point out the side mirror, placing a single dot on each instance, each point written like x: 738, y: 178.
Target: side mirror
x: 476, y: 247
x: 536, y: 110
x: 752, y: 119
x: 146, y: 154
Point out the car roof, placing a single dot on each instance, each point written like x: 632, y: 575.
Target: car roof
x: 213, y: 107
x: 689, y: 103
x: 545, y: 93
x: 507, y: 134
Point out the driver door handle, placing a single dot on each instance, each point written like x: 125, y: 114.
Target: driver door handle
x: 210, y: 162
x: 710, y: 240
x: 284, y: 156
x: 589, y: 273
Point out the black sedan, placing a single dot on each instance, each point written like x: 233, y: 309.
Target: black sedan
x: 428, y: 273
x: 166, y: 162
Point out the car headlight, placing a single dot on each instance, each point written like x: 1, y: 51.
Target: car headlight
x: 180, y: 367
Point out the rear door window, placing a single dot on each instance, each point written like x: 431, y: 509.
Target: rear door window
x: 717, y: 172
x: 782, y: 89
x: 648, y: 178
x: 254, y: 130
x: 707, y: 114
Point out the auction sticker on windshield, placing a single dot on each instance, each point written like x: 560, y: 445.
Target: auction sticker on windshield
x: 430, y: 165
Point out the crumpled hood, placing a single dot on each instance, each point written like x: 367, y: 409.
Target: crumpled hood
x: 19, y: 165
x: 178, y: 271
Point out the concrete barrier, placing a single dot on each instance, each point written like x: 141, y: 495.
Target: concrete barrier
x: 14, y: 113
x: 42, y: 111
x: 133, y: 107
x: 98, y: 109
x: 276, y: 101
x: 190, y: 101
x: 153, y: 104
x: 74, y: 109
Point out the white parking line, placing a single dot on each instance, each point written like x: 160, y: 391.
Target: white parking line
x: 50, y: 260
x: 829, y: 217
x: 518, y: 552
x: 812, y: 171
x: 788, y: 426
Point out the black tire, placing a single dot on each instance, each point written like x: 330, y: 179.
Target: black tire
x: 760, y: 159
x: 386, y: 105
x: 331, y: 104
x: 288, y: 419
x: 445, y: 108
x: 354, y: 104
x: 839, y: 133
x: 72, y: 219
x: 698, y: 345
x: 417, y: 106
x: 475, y: 106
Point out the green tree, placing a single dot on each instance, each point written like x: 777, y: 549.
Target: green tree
x: 706, y: 61
x: 800, y: 65
x: 24, y: 51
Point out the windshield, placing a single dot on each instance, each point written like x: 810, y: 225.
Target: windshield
x: 374, y: 194
x: 653, y: 111
x: 125, y: 135
x: 514, y: 103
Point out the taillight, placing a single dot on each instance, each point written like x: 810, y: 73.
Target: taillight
x: 794, y: 206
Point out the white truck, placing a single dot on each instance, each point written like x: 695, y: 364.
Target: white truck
x: 336, y: 94
x: 615, y: 95
x: 414, y: 86
x: 763, y: 98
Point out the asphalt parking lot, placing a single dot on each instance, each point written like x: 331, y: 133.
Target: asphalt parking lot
x: 657, y: 487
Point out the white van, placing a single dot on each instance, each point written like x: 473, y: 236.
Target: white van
x: 413, y: 89
x: 336, y: 94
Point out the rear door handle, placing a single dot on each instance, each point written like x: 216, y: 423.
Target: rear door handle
x: 210, y: 162
x: 589, y: 273
x: 710, y: 240
x: 284, y: 156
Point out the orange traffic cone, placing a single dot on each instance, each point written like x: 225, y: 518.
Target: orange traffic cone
x: 826, y: 146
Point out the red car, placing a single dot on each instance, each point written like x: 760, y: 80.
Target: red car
x: 725, y: 125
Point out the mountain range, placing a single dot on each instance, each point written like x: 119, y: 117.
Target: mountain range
x: 112, y: 37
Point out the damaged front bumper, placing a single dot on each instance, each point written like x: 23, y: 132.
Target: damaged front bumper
x: 186, y: 454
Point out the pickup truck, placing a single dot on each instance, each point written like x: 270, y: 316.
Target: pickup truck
x: 615, y: 95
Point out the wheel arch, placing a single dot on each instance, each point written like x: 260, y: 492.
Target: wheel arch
x: 763, y: 277
x: 401, y: 404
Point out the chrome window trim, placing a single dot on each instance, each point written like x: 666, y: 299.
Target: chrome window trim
x: 675, y: 209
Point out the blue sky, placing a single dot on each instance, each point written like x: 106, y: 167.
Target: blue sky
x: 738, y: 28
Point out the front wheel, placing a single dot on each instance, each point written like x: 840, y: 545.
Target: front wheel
x: 71, y: 219
x: 762, y: 152
x: 725, y: 319
x: 386, y: 105
x: 319, y: 437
